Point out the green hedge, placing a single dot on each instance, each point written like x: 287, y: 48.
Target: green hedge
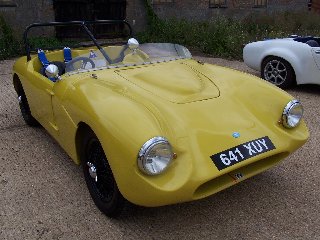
x: 225, y: 37
x: 221, y: 37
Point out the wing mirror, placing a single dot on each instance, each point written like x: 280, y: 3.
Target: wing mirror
x: 52, y: 72
x: 133, y: 44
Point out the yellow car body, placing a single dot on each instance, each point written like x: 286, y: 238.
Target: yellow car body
x: 197, y: 106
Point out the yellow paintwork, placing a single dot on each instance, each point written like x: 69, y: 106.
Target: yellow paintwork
x: 195, y: 106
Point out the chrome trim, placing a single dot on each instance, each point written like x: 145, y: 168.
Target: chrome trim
x: 145, y: 147
x: 286, y: 112
x: 275, y: 72
x: 93, y: 171
x: 133, y: 44
x: 78, y: 71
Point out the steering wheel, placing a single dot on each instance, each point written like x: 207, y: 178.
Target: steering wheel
x: 84, y: 61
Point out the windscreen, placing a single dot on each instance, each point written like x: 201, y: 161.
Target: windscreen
x: 121, y: 56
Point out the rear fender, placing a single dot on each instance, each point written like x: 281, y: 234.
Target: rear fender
x: 297, y: 59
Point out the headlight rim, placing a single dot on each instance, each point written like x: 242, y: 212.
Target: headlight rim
x: 144, y: 150
x: 286, y: 112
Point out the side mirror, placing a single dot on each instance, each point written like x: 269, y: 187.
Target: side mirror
x: 133, y: 44
x: 52, y: 72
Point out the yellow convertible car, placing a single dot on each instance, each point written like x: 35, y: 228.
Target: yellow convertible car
x: 151, y: 125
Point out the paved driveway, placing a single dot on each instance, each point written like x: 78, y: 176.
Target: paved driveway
x: 43, y: 194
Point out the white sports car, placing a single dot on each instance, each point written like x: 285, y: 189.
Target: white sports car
x: 287, y: 61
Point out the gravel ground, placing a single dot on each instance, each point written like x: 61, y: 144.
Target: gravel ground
x: 43, y: 194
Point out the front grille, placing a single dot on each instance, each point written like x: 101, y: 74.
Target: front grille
x: 224, y: 181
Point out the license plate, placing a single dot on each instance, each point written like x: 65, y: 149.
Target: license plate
x: 242, y: 152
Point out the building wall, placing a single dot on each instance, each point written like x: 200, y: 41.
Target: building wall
x: 20, y: 13
x: 200, y: 10
x: 136, y: 14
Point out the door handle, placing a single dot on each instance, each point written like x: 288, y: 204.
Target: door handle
x: 317, y: 52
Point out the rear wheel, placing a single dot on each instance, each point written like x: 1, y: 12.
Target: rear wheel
x: 25, y: 109
x: 99, y: 177
x: 278, y: 72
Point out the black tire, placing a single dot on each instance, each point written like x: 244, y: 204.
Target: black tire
x: 278, y: 72
x: 25, y: 109
x: 103, y: 189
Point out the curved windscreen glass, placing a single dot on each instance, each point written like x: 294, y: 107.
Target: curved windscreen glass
x: 120, y: 56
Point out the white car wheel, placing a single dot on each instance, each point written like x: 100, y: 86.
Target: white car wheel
x: 278, y: 72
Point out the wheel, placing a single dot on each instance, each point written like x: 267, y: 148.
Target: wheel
x: 25, y: 109
x: 99, y: 178
x: 83, y: 61
x: 278, y: 72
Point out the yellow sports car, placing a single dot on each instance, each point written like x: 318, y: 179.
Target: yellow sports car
x: 151, y: 125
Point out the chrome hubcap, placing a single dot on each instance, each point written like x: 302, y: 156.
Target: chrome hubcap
x: 92, y: 171
x: 275, y: 72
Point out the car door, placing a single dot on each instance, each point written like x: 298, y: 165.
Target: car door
x: 316, y: 55
x: 40, y: 94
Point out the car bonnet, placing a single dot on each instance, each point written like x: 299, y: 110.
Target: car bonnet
x: 173, y: 81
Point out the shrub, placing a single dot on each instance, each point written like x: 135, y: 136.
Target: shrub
x: 225, y: 37
x: 220, y: 37
x: 9, y: 45
x: 50, y: 43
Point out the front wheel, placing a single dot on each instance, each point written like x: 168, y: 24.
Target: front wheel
x: 99, y: 177
x: 278, y: 72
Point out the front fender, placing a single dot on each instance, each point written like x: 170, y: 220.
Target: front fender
x: 116, y: 119
x: 19, y: 73
x: 123, y: 125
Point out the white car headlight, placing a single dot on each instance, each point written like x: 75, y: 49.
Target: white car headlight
x: 155, y: 156
x: 292, y: 114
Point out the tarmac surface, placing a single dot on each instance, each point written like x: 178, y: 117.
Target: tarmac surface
x: 43, y: 194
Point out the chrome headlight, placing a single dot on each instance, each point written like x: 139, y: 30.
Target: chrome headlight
x: 155, y: 156
x: 292, y: 114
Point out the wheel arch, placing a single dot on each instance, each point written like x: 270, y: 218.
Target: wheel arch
x: 17, y: 83
x: 114, y: 207
x: 294, y: 58
x: 82, y: 129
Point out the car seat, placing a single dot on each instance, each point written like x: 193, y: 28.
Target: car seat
x: 61, y: 65
x: 312, y: 43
